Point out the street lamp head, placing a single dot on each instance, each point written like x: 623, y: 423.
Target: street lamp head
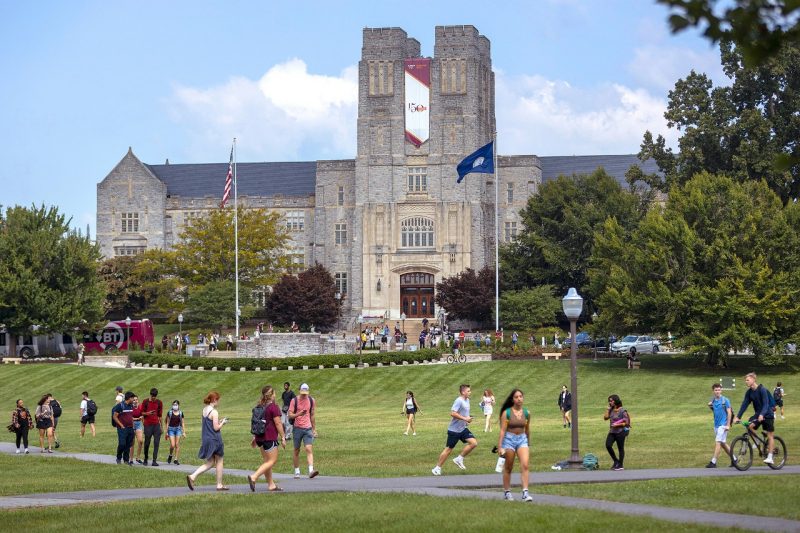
x: 572, y: 304
x: 402, y: 316
x: 180, y: 317
x: 128, y: 321
x: 360, y: 319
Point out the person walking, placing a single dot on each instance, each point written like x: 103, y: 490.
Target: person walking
x: 176, y: 429
x: 268, y: 441
x: 152, y: 412
x: 565, y: 405
x: 229, y: 342
x: 619, y: 425
x: 723, y: 414
x: 44, y: 423
x: 487, y: 404
x: 372, y: 338
x: 778, y: 393
x: 81, y: 349
x: 513, y: 442
x: 88, y: 411
x: 212, y: 449
x: 138, y: 431
x: 458, y: 431
x: 119, y: 396
x: 21, y: 423
x: 286, y: 398
x: 410, y: 409
x: 122, y: 415
x: 55, y: 406
x: 764, y: 416
x: 302, y: 414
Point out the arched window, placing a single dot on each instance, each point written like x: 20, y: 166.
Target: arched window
x: 417, y: 232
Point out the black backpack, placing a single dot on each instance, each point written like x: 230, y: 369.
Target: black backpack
x: 258, y: 422
x: 56, y: 407
x: 776, y: 394
x: 91, y: 408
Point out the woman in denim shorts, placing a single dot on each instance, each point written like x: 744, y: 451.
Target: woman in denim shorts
x: 513, y: 441
x: 138, y: 430
x: 175, y: 430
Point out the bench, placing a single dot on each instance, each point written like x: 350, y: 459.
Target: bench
x: 555, y: 355
x: 12, y: 360
x: 636, y: 365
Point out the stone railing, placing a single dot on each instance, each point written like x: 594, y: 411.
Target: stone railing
x: 293, y: 345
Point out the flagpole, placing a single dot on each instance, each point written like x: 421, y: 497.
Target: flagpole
x: 236, y: 235
x: 496, y: 240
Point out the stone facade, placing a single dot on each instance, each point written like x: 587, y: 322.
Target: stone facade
x: 280, y: 345
x: 357, y: 213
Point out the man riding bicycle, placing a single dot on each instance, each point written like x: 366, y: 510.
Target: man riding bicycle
x: 764, y: 416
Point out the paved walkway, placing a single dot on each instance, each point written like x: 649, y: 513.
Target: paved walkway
x: 443, y: 486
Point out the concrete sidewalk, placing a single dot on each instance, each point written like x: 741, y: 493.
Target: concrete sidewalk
x: 470, y: 485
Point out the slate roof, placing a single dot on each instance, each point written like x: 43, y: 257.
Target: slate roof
x: 255, y: 179
x: 614, y: 165
x: 299, y: 178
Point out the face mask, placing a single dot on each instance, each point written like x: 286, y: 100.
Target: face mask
x: 175, y: 406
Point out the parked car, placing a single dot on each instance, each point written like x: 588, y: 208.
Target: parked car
x: 585, y: 340
x: 642, y: 344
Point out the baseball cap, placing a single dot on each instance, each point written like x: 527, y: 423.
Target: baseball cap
x: 304, y: 388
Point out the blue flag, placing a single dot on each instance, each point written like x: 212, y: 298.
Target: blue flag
x: 481, y: 160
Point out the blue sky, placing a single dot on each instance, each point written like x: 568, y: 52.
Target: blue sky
x: 82, y: 81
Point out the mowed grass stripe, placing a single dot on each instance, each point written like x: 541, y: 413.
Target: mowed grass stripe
x: 361, y: 427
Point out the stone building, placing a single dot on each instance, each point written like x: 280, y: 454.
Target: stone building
x: 390, y: 223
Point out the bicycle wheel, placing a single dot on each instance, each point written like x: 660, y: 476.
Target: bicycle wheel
x: 450, y: 359
x: 778, y: 454
x: 462, y: 358
x: 740, y: 447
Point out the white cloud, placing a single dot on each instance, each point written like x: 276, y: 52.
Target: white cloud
x: 547, y: 117
x: 288, y: 114
x: 659, y: 67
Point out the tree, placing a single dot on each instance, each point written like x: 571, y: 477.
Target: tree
x: 759, y: 27
x: 158, y: 274
x: 718, y: 266
x: 468, y: 295
x: 556, y: 240
x: 747, y: 130
x: 528, y: 309
x: 214, y: 304
x: 48, y: 274
x: 308, y: 299
x: 205, y: 251
x: 128, y: 292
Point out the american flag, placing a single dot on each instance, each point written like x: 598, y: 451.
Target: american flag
x: 228, y: 182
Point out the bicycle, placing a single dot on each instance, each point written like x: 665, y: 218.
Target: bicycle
x: 456, y: 358
x: 743, y: 447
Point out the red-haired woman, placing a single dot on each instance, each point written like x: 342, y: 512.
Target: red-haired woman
x: 211, y: 447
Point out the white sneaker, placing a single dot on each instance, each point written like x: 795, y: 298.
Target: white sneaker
x: 508, y: 496
x: 406, y: 433
x: 297, y: 475
x: 782, y: 417
x: 769, y: 461
x: 436, y: 471
x: 17, y: 450
x: 414, y: 434
x: 526, y: 497
x: 459, y: 462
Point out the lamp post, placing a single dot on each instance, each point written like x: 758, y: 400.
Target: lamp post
x: 360, y: 345
x: 572, y: 304
x: 594, y: 319
x: 338, y: 297
x: 403, y: 332
x: 128, y: 327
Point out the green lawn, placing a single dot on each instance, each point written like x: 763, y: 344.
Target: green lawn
x: 34, y: 474
x: 767, y: 495
x: 329, y: 512
x: 360, y: 425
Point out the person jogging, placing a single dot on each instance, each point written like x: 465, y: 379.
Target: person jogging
x: 764, y: 416
x: 723, y: 414
x: 458, y: 431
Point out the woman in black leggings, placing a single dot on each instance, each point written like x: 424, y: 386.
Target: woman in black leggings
x: 620, y: 424
x: 22, y: 422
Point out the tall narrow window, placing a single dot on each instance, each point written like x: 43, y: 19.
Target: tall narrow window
x: 130, y: 222
x: 417, y: 232
x: 510, y: 192
x: 510, y: 232
x: 340, y: 233
x: 340, y: 278
x: 340, y: 196
x: 417, y: 179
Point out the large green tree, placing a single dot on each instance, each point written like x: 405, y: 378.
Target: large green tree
x: 48, y: 274
x: 718, y: 267
x: 468, y: 295
x: 747, y: 130
x: 213, y: 304
x: 529, y: 309
x: 308, y: 299
x: 128, y: 293
x: 556, y: 240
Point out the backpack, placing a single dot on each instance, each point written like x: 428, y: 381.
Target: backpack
x: 56, y: 407
x: 113, y: 424
x: 292, y: 421
x: 777, y: 394
x: 524, y: 411
x: 590, y: 462
x: 258, y: 423
x: 91, y: 408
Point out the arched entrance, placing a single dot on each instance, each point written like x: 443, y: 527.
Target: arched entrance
x: 416, y: 294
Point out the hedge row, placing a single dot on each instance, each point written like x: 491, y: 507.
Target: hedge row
x: 312, y: 361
